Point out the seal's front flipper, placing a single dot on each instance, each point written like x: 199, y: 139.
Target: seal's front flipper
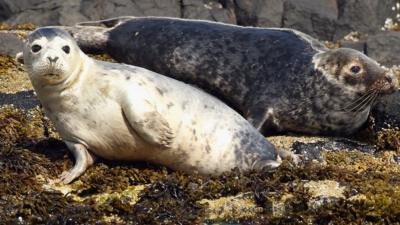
x: 108, y: 23
x: 263, y: 120
x: 287, y: 154
x: 147, y: 122
x: 83, y: 159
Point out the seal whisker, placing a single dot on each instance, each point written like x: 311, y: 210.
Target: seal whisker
x: 357, y: 102
x: 367, y: 103
x: 361, y: 106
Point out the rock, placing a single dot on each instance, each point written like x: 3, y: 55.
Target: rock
x: 23, y: 99
x: 324, y: 192
x: 314, y: 151
x: 5, y: 11
x: 359, y: 46
x: 367, y: 16
x: 260, y: 13
x: 309, y: 151
x: 96, y: 10
x: 316, y: 18
x: 10, y: 44
x: 209, y: 10
x: 225, y: 208
x: 48, y: 12
x: 384, y: 47
x: 386, y: 112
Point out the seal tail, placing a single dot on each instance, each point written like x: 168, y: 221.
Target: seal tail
x: 91, y: 39
x: 107, y: 23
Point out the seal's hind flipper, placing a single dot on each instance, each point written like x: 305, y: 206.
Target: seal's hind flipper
x: 108, y: 23
x: 20, y: 57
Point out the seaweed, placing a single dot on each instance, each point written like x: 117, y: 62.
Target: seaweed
x: 26, y: 26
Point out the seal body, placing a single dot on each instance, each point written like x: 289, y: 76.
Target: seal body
x: 270, y: 76
x: 123, y: 112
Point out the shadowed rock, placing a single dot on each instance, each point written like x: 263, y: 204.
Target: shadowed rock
x: 22, y: 99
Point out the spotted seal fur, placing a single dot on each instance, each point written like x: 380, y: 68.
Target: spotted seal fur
x: 278, y: 79
x: 123, y: 112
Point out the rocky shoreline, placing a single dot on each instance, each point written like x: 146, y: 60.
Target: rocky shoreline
x: 340, y: 179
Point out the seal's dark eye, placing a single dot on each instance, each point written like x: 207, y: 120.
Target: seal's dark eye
x: 355, y: 69
x: 36, y: 48
x: 66, y: 49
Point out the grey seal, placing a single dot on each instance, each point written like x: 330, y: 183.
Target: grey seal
x: 122, y: 112
x: 278, y: 79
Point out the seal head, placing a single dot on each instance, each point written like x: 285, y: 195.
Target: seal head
x: 50, y: 56
x: 355, y: 71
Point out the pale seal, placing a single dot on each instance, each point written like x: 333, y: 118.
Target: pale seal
x: 278, y: 79
x: 123, y: 112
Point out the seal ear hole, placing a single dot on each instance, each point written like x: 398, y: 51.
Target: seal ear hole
x: 66, y: 49
x: 36, y: 48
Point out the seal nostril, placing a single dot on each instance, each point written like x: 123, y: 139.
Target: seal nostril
x: 52, y: 59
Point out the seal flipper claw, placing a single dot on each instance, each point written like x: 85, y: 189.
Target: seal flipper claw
x: 284, y: 154
x: 83, y: 158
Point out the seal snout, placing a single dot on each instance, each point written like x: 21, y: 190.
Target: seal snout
x: 388, y: 84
